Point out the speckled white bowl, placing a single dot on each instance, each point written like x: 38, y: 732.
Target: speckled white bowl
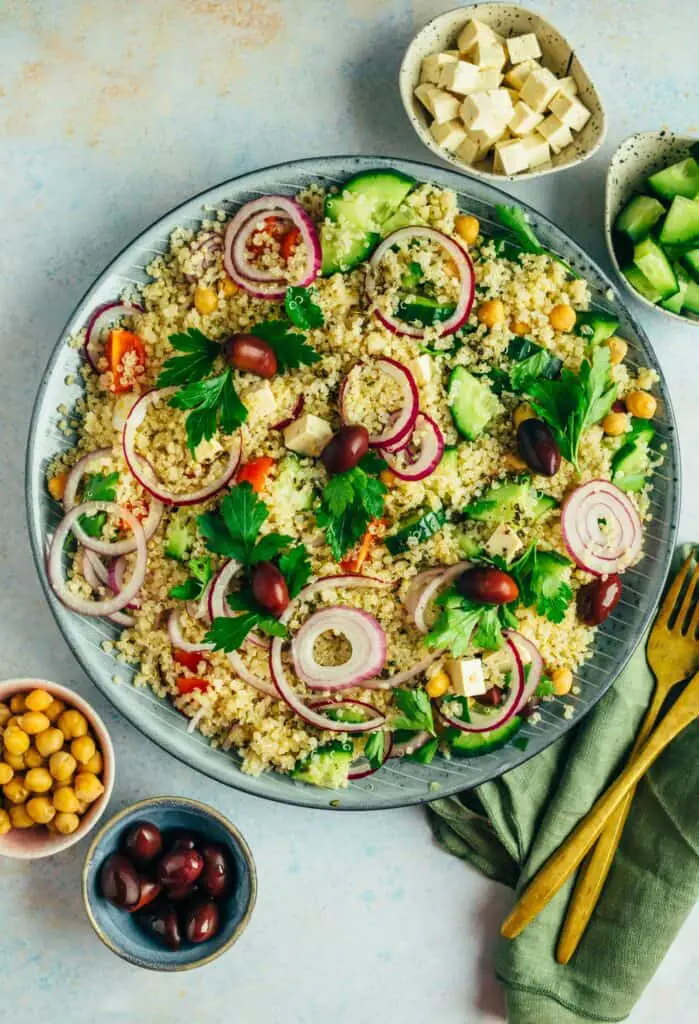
x: 639, y: 156
x: 508, y: 20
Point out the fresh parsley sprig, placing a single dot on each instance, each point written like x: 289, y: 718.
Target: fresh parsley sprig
x: 198, y: 360
x: 350, y: 501
x: 416, y: 711
x: 463, y: 624
x: 290, y: 348
x: 97, y: 487
x: 303, y: 312
x: 227, y: 634
x: 200, y: 573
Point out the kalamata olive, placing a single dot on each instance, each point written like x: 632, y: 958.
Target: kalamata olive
x: 201, y: 921
x: 184, y: 841
x: 149, y: 891
x: 180, y: 867
x: 179, y: 893
x: 489, y: 586
x: 538, y: 447
x: 160, y: 920
x: 492, y: 697
x: 143, y: 842
x: 598, y: 599
x: 250, y: 354
x: 345, y: 449
x: 269, y: 588
x: 120, y: 882
x: 216, y: 877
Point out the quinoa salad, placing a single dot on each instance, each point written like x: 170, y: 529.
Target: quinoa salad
x: 354, y: 478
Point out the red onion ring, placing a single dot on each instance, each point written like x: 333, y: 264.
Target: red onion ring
x: 430, y: 589
x: 403, y: 422
x: 97, y: 575
x: 358, y: 772
x: 240, y: 248
x: 117, y: 571
x: 143, y: 471
x: 590, y: 546
x: 295, y: 413
x: 431, y: 448
x: 367, y: 640
x: 417, y: 586
x: 464, y: 266
x: 249, y: 677
x: 218, y: 607
x: 70, y: 493
x: 481, y: 722
x: 529, y: 655
x: 410, y: 746
x: 402, y: 677
x: 174, y: 629
x: 101, y: 320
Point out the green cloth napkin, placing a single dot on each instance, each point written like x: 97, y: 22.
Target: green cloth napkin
x: 509, y: 827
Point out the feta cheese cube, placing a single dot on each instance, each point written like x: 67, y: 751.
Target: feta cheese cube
x: 469, y: 151
x: 504, y: 542
x: 449, y: 135
x: 485, y: 138
x: 421, y: 369
x: 434, y: 65
x: 260, y: 399
x: 502, y: 101
x: 521, y: 48
x: 537, y: 150
x: 483, y: 111
x: 489, y: 78
x: 539, y: 89
x: 207, y: 450
x: 524, y: 120
x: 568, y: 86
x: 489, y: 55
x: 517, y: 76
x: 307, y: 435
x: 466, y: 675
x: 460, y: 77
x: 425, y: 94
x: 570, y: 111
x: 557, y: 134
x: 475, y: 32
x: 445, y: 107
x: 510, y: 157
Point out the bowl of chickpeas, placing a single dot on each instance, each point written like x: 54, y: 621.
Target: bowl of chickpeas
x: 56, y: 768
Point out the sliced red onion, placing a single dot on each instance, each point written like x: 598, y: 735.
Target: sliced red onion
x: 464, y: 267
x: 482, y: 722
x: 97, y: 575
x: 417, y: 586
x: 70, y: 494
x: 309, y: 237
x: 428, y: 439
x: 209, y: 244
x: 366, y: 638
x: 529, y: 655
x: 200, y: 609
x: 117, y: 571
x: 55, y: 560
x: 102, y: 320
x: 242, y: 261
x: 144, y: 472
x: 251, y: 678
x: 218, y: 607
x: 402, y: 423
x: 295, y: 413
x: 409, y: 746
x: 601, y: 528
x: 174, y: 628
x: 430, y: 589
x: 360, y: 767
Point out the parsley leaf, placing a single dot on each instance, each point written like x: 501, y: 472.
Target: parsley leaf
x: 200, y: 572
x: 295, y: 567
x: 301, y: 309
x: 209, y: 402
x: 540, y: 578
x: 545, y: 688
x: 233, y: 530
x: 514, y: 218
x: 289, y: 347
x: 529, y: 370
x: 349, y: 503
x: 372, y: 463
x: 97, y: 487
x: 198, y: 361
x: 463, y: 625
x: 374, y: 748
x: 416, y: 711
x: 229, y: 633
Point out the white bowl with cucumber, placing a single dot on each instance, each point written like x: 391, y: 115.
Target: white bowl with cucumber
x: 652, y: 221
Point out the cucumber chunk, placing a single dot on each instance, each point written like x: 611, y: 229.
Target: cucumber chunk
x: 510, y: 503
x: 640, y: 283
x: 418, y: 528
x: 691, y: 298
x: 471, y: 402
x: 675, y: 302
x: 596, y: 327
x: 425, y: 311
x: 655, y: 267
x: 631, y: 462
x: 343, y: 250
x: 327, y: 766
x: 680, y: 179
x: 474, y: 744
x: 638, y: 217
x: 691, y: 258
x: 681, y: 224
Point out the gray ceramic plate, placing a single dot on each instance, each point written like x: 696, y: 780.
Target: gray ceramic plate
x: 397, y: 783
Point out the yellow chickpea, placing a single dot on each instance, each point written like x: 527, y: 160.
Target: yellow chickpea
x: 205, y: 300
x: 15, y: 740
x: 62, y: 765
x: 228, y: 287
x: 83, y: 748
x: 38, y: 700
x: 49, y: 741
x: 14, y: 720
x: 523, y: 412
x: 38, y: 780
x: 562, y: 317
x: 438, y: 684
x: 519, y: 327
x: 82, y: 807
x: 5, y: 823
x: 33, y: 758
x: 20, y: 818
x: 641, y: 404
x: 41, y: 810
x: 15, y: 791
x: 5, y: 714
x: 617, y: 350
x: 562, y: 681
x: 72, y: 724
x: 491, y: 312
x: 87, y: 787
x: 34, y: 722
x: 95, y: 765
x: 467, y: 228
x: 6, y: 773
x: 16, y: 761
x: 54, y: 710
x: 18, y: 703
x: 66, y: 824
x: 65, y: 801
x: 615, y: 424
x: 388, y: 478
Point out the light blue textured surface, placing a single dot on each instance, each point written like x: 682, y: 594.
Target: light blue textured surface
x: 110, y: 114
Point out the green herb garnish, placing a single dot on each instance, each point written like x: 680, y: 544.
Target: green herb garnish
x: 97, y: 487
x: 227, y: 634
x: 290, y: 348
x: 200, y: 572
x: 233, y: 530
x: 350, y: 501
x: 301, y: 309
x: 374, y: 748
x: 295, y: 567
x: 416, y: 711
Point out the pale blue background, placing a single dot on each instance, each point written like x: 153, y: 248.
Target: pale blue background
x: 110, y: 113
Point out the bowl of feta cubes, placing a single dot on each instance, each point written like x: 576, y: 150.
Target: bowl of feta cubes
x: 496, y: 91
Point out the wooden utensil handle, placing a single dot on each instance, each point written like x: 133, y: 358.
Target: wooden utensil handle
x: 565, y: 860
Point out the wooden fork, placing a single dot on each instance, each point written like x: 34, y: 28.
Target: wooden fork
x: 669, y: 646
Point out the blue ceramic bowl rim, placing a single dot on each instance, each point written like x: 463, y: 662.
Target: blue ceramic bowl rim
x: 195, y: 805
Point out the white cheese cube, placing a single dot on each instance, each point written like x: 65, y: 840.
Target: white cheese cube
x: 433, y: 66
x: 502, y: 102
x: 307, y: 435
x: 570, y: 111
x: 260, y: 399
x: 483, y: 111
x: 475, y: 32
x: 489, y: 55
x: 521, y: 48
x: 466, y: 674
x: 485, y: 138
x: 537, y: 150
x: 207, y: 451
x: 450, y: 135
x: 490, y: 78
x: 425, y: 94
x: 460, y: 77
x: 445, y: 107
x: 539, y: 89
x: 556, y: 133
x: 568, y: 86
x: 517, y: 76
x: 122, y: 407
x: 469, y: 151
x: 504, y: 542
x: 511, y: 156
x: 524, y: 120
x: 421, y: 369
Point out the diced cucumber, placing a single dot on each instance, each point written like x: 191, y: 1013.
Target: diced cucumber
x: 691, y: 258
x: 369, y: 198
x: 418, y: 528
x: 638, y: 217
x: 680, y: 179
x: 474, y: 744
x: 640, y: 283
x: 404, y: 217
x: 471, y: 402
x: 468, y: 546
x: 292, y: 488
x: 681, y: 224
x: 424, y: 311
x: 691, y: 298
x: 630, y: 463
x: 675, y: 302
x: 343, y: 247
x: 179, y: 535
x: 327, y: 766
x: 595, y: 326
x: 509, y: 503
x: 542, y: 504
x: 655, y: 267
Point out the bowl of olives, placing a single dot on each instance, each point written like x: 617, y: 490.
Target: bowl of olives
x: 169, y: 884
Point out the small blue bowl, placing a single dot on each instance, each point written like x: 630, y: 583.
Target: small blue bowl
x: 120, y: 932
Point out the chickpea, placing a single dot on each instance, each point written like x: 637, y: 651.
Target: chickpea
x: 17, y: 703
x: 33, y: 758
x: 41, y: 810
x: 38, y: 780
x: 562, y: 317
x: 54, y: 710
x: 49, y: 741
x: 20, y: 818
x: 83, y: 749
x: 523, y: 412
x: 228, y: 287
x: 34, y: 722
x: 72, y: 724
x: 5, y: 714
x: 14, y: 720
x: 562, y: 680
x: 66, y: 824
x: 617, y: 350
x: 95, y: 765
x: 513, y: 462
x: 6, y: 773
x: 87, y: 787
x: 615, y: 424
x: 15, y: 791
x: 82, y: 807
x: 491, y: 313
x: 519, y: 327
x: 205, y: 300
x: 5, y: 823
x: 15, y: 740
x: 65, y: 801
x: 438, y: 684
x: 38, y: 700
x: 387, y: 478
x: 16, y: 761
x: 641, y: 404
x: 467, y: 228
x: 62, y: 765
